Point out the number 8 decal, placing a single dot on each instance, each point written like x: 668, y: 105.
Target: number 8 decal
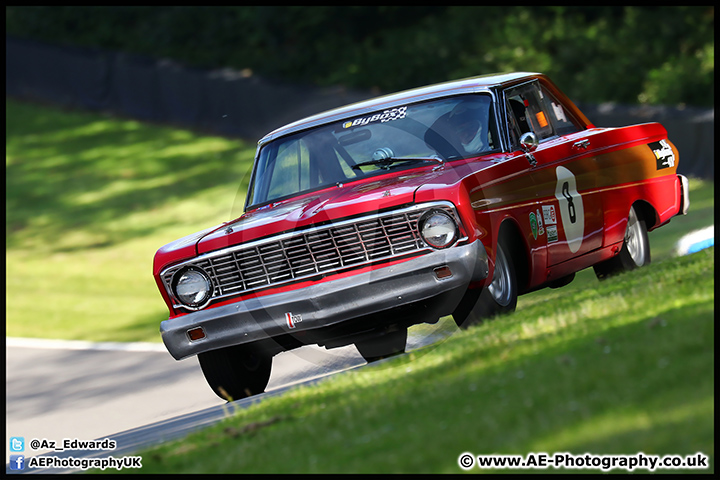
x: 571, y: 208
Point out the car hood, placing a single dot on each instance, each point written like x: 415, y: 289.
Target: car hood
x: 327, y: 205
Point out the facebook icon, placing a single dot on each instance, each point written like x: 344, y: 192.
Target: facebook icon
x: 17, y: 462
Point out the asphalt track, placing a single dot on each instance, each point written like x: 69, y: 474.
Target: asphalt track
x: 136, y: 394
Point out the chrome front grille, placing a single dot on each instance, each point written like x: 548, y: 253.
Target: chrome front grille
x: 315, y: 251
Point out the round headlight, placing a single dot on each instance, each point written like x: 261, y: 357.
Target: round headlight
x: 438, y: 229
x: 193, y: 287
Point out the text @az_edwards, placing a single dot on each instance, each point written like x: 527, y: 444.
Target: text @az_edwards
x: 19, y: 461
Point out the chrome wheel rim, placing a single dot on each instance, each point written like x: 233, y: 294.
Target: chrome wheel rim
x: 634, y: 239
x: 500, y: 286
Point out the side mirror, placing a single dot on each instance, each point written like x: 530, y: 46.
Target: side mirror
x: 528, y: 142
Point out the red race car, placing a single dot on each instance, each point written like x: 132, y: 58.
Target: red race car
x: 451, y: 199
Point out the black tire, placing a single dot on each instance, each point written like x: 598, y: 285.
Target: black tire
x: 498, y: 298
x: 387, y: 345
x: 236, y: 372
x: 635, y: 251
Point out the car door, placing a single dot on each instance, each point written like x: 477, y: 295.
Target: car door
x: 568, y: 218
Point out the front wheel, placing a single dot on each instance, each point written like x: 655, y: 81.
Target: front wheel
x: 635, y: 251
x: 497, y: 298
x: 236, y: 372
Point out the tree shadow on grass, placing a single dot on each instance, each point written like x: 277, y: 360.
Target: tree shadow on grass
x: 122, y: 166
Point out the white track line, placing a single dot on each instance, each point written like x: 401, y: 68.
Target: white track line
x: 83, y: 345
x: 696, y: 241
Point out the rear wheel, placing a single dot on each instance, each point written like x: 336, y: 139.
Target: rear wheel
x: 387, y: 345
x: 236, y: 372
x: 497, y: 298
x: 635, y: 251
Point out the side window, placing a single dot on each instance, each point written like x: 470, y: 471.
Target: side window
x: 525, y: 108
x: 562, y: 123
x: 532, y: 109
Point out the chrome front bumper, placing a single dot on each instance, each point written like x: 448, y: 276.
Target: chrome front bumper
x: 326, y: 303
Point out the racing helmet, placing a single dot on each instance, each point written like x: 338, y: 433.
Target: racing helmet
x: 468, y: 120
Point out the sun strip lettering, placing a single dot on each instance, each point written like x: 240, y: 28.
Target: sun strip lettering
x: 385, y: 116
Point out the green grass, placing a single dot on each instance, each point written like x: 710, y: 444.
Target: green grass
x: 622, y: 368
x: 90, y: 198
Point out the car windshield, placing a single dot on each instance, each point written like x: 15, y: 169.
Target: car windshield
x: 432, y: 131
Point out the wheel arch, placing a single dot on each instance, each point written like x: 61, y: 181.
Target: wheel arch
x: 646, y: 212
x: 511, y: 237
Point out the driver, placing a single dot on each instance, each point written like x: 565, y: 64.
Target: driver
x: 468, y: 121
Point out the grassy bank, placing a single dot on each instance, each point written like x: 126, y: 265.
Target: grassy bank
x: 90, y: 198
x: 622, y: 368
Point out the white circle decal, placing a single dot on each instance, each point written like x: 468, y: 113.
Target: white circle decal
x: 571, y: 208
